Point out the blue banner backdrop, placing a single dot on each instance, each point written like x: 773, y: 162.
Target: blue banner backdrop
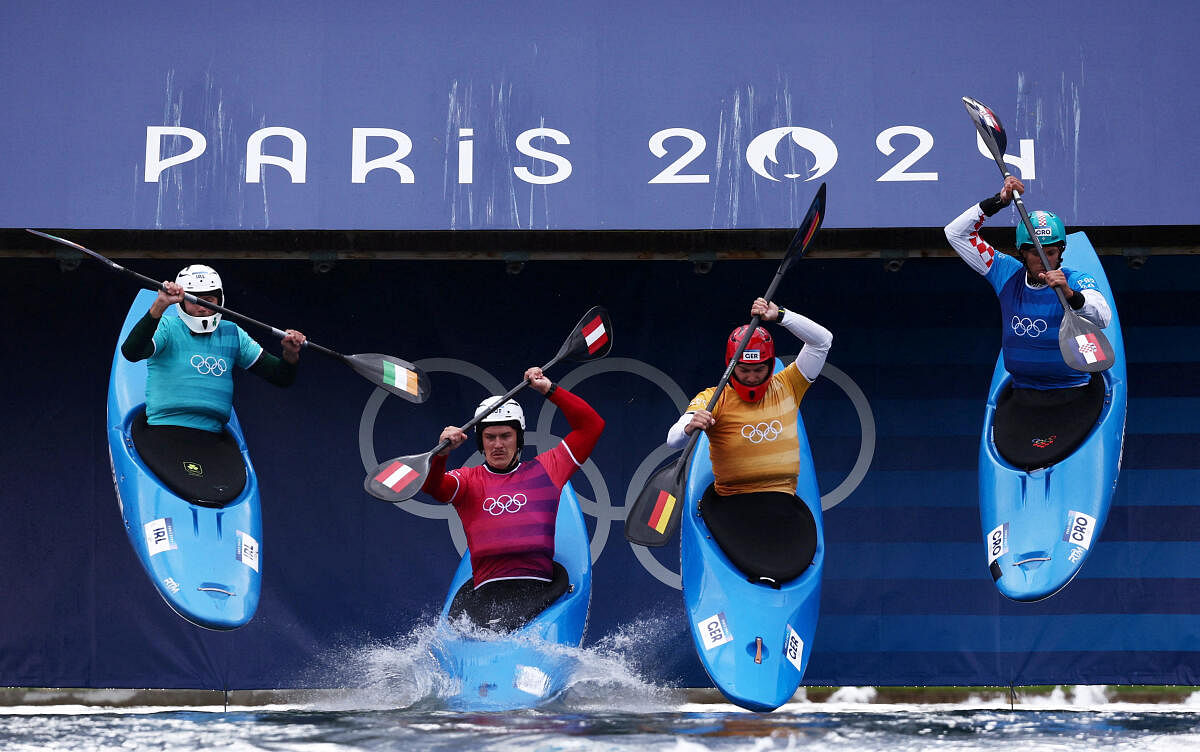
x: 372, y: 114
x: 894, y: 427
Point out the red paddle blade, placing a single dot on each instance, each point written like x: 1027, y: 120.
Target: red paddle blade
x: 591, y: 339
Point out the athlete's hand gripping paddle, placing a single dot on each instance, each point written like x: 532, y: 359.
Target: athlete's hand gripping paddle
x: 400, y: 478
x: 399, y: 377
x: 655, y: 514
x: 1082, y: 344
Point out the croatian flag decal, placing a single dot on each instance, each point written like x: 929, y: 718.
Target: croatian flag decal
x: 595, y: 335
x: 1090, y: 349
x: 396, y: 476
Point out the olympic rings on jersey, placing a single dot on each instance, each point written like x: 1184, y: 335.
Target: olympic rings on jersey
x: 209, y: 365
x: 762, y: 432
x: 1026, y: 327
x: 498, y: 505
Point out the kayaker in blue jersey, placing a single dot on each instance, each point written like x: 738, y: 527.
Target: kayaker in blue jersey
x: 1031, y: 310
x: 1050, y: 407
x: 189, y: 379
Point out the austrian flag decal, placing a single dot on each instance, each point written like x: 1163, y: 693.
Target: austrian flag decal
x: 396, y: 476
x: 1090, y: 349
x: 595, y: 335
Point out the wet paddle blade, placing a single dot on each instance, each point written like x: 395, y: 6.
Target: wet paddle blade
x: 591, y: 339
x: 1084, y: 347
x: 398, y: 377
x: 398, y: 479
x: 654, y: 516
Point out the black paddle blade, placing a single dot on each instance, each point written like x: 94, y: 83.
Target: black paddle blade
x: 654, y: 517
x: 398, y: 479
x: 808, y: 229
x: 398, y: 377
x: 1083, y: 346
x: 591, y: 339
x: 988, y: 125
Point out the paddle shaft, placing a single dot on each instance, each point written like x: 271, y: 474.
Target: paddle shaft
x: 154, y: 284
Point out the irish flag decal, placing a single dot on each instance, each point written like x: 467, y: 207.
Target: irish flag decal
x: 595, y: 335
x: 400, y: 377
x: 396, y: 476
x: 1090, y: 349
x: 662, y: 511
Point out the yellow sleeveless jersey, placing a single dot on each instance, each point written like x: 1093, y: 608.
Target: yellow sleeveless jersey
x: 754, y: 445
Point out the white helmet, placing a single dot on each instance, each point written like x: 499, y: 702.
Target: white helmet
x: 198, y: 280
x: 509, y: 412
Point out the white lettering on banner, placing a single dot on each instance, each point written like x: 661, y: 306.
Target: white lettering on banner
x: 671, y: 173
x: 793, y: 648
x: 1024, y: 163
x: 155, y: 164
x: 525, y: 146
x: 297, y: 166
x: 466, y: 156
x: 1080, y: 529
x: 997, y: 542
x: 714, y: 631
x: 761, y: 150
x: 883, y: 142
x: 359, y: 166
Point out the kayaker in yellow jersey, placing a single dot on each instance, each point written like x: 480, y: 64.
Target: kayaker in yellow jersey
x: 752, y: 429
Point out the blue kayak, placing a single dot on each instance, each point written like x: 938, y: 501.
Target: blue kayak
x: 1040, y: 524
x: 753, y: 638
x: 204, y: 560
x: 533, y: 664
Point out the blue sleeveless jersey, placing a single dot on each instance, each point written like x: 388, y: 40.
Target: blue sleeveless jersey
x: 189, y: 378
x: 1030, y: 324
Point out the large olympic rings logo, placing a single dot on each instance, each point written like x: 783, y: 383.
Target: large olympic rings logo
x: 538, y: 436
x: 498, y: 505
x: 762, y: 432
x: 209, y: 365
x: 1027, y: 327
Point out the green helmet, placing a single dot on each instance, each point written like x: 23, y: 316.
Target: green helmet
x: 1046, y: 225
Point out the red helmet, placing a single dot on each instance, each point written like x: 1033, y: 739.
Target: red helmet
x: 760, y: 349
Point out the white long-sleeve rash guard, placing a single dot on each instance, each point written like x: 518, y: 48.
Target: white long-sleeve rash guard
x: 817, y: 341
x: 963, y: 234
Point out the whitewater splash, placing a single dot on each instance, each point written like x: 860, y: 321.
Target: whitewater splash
x: 403, y: 673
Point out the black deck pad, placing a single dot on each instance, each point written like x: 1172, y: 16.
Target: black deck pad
x: 198, y: 466
x: 1036, y: 428
x: 505, y: 605
x: 770, y: 536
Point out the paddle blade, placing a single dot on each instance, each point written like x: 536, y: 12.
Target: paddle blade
x: 399, y: 377
x: 1084, y: 347
x: 398, y: 479
x: 591, y: 339
x: 654, y: 517
x: 808, y: 229
x: 989, y: 127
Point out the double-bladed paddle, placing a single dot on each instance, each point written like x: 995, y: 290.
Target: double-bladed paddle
x: 397, y: 376
x: 1082, y: 344
x: 400, y: 478
x: 655, y: 514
